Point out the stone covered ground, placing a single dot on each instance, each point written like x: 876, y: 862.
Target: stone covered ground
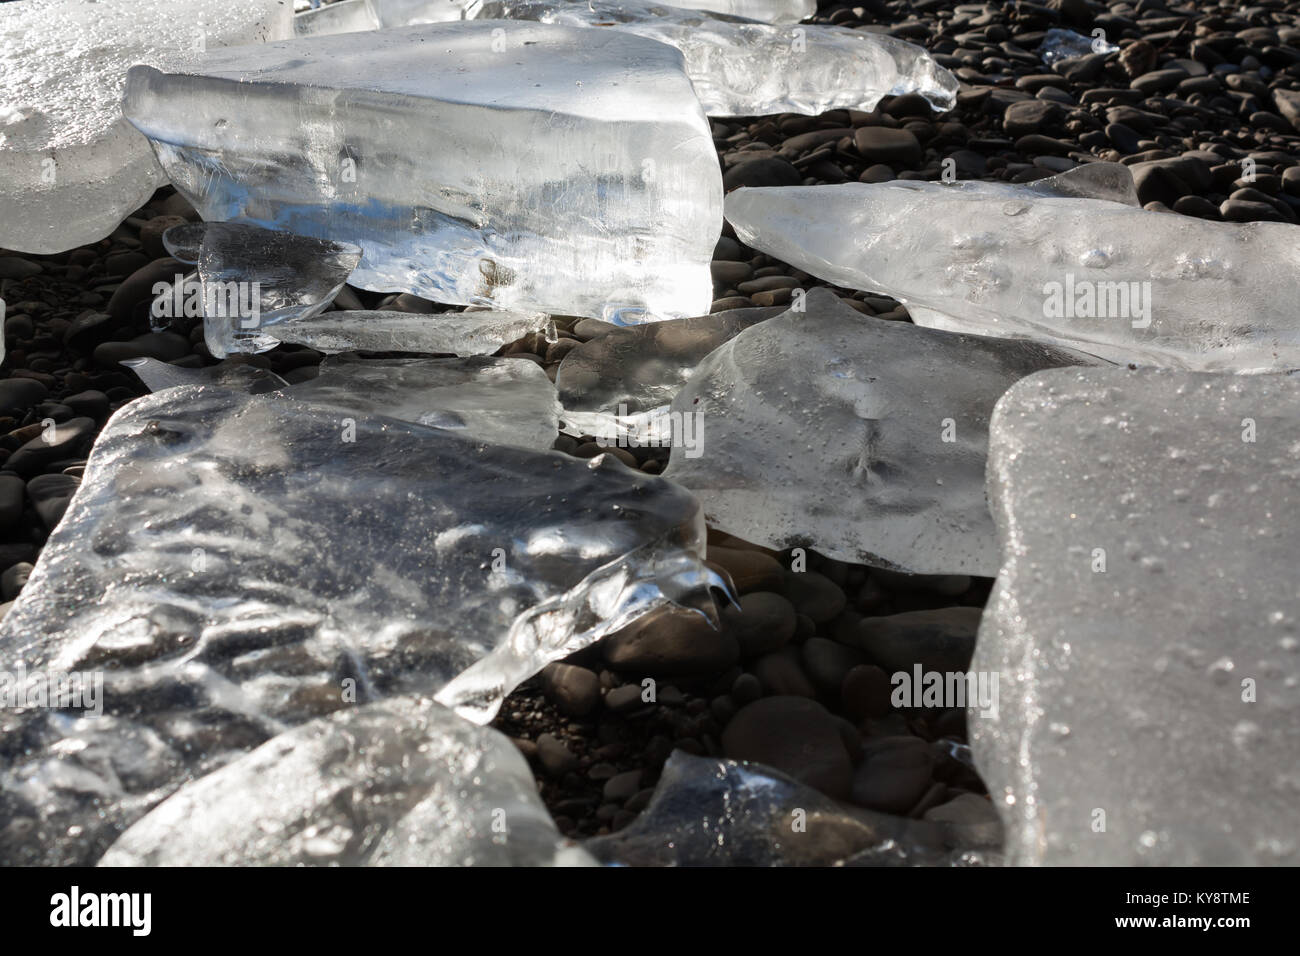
x: 1202, y: 101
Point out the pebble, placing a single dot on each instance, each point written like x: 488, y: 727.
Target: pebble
x: 827, y: 663
x: 781, y: 674
x: 622, y: 786
x: 669, y: 642
x: 795, y: 735
x: 815, y: 595
x: 14, y: 579
x: 895, y: 147
x: 767, y: 171
x: 749, y: 570
x: 138, y: 287
x: 65, y: 441
x: 894, y: 774
x: 21, y: 393
x: 941, y: 640
x: 865, y: 692
x: 554, y: 755
x: 163, y: 346
x: 50, y: 495
x: 13, y: 491
x: 17, y: 268
x: 151, y: 234
x: 575, y: 691
x: 764, y: 622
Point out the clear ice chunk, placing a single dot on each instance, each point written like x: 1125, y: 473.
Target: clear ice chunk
x: 403, y: 782
x: 873, y: 452
x: 472, y: 332
x: 252, y: 278
x: 768, y: 11
x: 509, y: 401
x: 508, y: 164
x: 744, y: 68
x: 233, y: 566
x: 712, y: 812
x: 1145, y: 625
x: 71, y: 168
x: 1062, y: 44
x: 249, y: 379
x: 349, y: 16
x: 620, y: 385
x: 1049, y: 262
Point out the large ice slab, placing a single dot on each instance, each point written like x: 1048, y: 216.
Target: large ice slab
x: 711, y: 812
x: 518, y: 165
x: 743, y: 68
x: 1146, y: 621
x: 71, y: 168
x: 508, y: 401
x: 621, y: 384
x: 1047, y: 261
x: 399, y: 783
x: 233, y: 566
x: 472, y: 332
x: 871, y: 452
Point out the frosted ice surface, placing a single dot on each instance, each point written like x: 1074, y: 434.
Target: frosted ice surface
x: 769, y: 11
x: 621, y: 383
x: 505, y: 400
x: 472, y: 332
x: 71, y: 168
x: 743, y: 68
x: 252, y: 277
x: 350, y: 16
x: 235, y: 565
x: 403, y: 782
x: 518, y: 165
x: 712, y: 812
x: 1061, y: 44
x: 1041, y: 262
x: 250, y: 379
x: 873, y: 452
x: 1145, y: 625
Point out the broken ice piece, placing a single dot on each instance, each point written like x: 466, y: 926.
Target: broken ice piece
x: 472, y: 332
x: 505, y: 400
x: 252, y: 278
x: 517, y: 165
x: 712, y: 812
x: 743, y: 68
x: 1062, y: 44
x: 403, y: 782
x: 71, y: 168
x: 249, y: 379
x: 1145, y: 625
x: 859, y: 437
x: 233, y: 566
x: 1040, y: 261
x: 618, y: 386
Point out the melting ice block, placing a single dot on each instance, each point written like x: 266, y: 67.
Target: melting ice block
x: 233, y: 566
x: 621, y: 384
x: 71, y: 168
x: 504, y: 400
x: 871, y: 452
x: 1145, y: 625
x: 743, y: 68
x: 251, y: 278
x: 711, y: 812
x: 1041, y: 261
x: 404, y: 782
x: 472, y: 332
x: 519, y: 165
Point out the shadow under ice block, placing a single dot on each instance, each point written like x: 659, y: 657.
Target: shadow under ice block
x: 517, y: 165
